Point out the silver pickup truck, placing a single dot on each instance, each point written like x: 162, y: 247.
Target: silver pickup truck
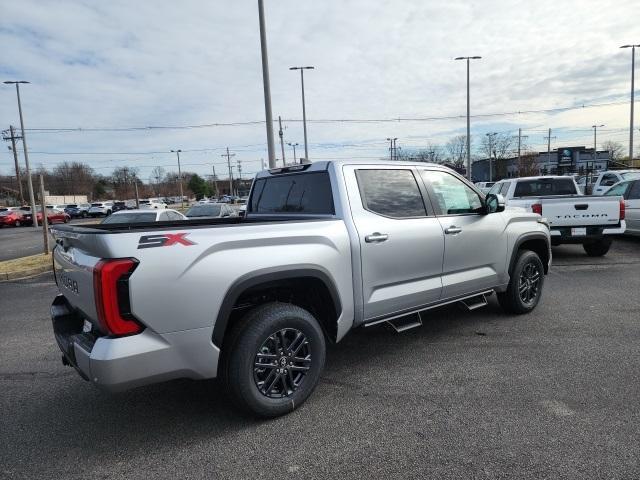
x: 324, y: 248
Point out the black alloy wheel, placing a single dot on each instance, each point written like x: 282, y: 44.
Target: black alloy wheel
x: 281, y: 363
x: 529, y: 283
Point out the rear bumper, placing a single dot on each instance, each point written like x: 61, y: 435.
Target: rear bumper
x: 116, y: 364
x: 563, y: 234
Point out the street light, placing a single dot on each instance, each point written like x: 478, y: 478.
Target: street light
x: 304, y: 113
x: 595, y: 151
x: 177, y: 152
x: 266, y: 85
x: 32, y: 200
x: 490, y: 135
x: 633, y: 67
x: 294, y: 145
x: 392, y: 147
x: 468, y: 115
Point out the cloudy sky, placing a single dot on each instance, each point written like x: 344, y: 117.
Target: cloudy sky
x: 117, y: 65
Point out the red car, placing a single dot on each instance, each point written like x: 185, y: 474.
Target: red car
x: 12, y: 218
x: 53, y: 216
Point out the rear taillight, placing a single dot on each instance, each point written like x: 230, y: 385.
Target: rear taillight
x: 537, y: 208
x: 622, y: 210
x: 111, y: 291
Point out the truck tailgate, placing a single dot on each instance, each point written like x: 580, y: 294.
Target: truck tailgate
x: 581, y: 211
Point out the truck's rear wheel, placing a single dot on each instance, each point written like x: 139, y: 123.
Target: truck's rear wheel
x: 273, y: 359
x: 525, y: 286
x: 598, y: 248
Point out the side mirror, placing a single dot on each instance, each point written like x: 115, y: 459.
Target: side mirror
x: 494, y: 203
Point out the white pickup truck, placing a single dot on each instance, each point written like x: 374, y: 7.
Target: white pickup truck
x: 573, y: 217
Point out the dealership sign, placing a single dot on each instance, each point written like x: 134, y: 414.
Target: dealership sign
x: 565, y: 156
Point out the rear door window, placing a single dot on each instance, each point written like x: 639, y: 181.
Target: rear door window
x: 299, y: 193
x: 391, y: 193
x: 545, y: 186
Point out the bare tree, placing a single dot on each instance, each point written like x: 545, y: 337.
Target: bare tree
x: 457, y: 150
x: 431, y: 153
x: 615, y: 150
x: 157, y: 177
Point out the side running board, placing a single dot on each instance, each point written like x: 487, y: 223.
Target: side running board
x: 405, y: 323
x: 475, y: 303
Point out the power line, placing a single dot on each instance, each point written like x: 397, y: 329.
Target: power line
x: 324, y: 120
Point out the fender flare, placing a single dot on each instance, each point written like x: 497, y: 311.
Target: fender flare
x: 524, y: 238
x: 264, y: 276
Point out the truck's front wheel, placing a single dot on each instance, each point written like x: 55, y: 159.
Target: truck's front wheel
x: 273, y: 359
x: 599, y: 248
x: 525, y: 286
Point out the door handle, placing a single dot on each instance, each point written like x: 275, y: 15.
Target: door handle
x: 376, y: 237
x: 452, y: 230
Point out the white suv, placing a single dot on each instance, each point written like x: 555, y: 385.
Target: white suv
x: 101, y: 208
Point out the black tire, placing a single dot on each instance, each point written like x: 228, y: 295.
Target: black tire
x: 598, y: 248
x: 261, y: 333
x: 525, y: 286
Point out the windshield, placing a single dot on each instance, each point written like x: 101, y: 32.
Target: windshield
x: 96, y: 204
x: 204, y: 210
x: 131, y: 218
x: 72, y: 205
x: 545, y: 186
x: 618, y: 190
x: 630, y: 175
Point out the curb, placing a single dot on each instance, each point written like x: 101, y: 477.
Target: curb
x: 30, y: 272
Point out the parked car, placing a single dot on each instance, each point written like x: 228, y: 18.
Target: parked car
x: 11, y: 218
x: 325, y: 248
x: 78, y: 210
x: 143, y: 216
x: 10, y: 209
x: 100, y: 209
x: 606, y: 180
x: 211, y: 210
x: 573, y: 217
x: 590, y: 180
x: 152, y: 204
x: 630, y: 191
x: 53, y: 216
x: 117, y: 206
x: 484, y: 186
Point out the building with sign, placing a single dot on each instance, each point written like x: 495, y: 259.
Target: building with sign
x: 561, y: 161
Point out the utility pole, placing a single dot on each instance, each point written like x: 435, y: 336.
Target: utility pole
x: 32, y: 200
x: 215, y: 180
x: 239, y: 176
x: 45, y: 220
x: 13, y: 139
x: 491, y: 135
x: 633, y: 68
x: 284, y: 163
x: 520, y: 137
x: 595, y: 151
x: 469, y: 116
x: 304, y: 112
x: 229, y: 155
x: 294, y: 145
x: 266, y: 86
x: 393, y: 154
x: 177, y: 152
x: 548, y: 138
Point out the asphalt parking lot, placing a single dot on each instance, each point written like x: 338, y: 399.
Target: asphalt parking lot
x: 19, y: 242
x: 469, y: 395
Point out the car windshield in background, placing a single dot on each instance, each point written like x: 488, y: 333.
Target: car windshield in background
x: 545, y: 186
x: 130, y: 218
x: 96, y: 204
x: 72, y: 205
x: 204, y: 210
x: 630, y: 175
x: 618, y: 190
x: 306, y: 193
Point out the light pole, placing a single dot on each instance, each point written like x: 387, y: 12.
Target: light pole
x: 469, y: 116
x: 490, y: 135
x: 266, y: 86
x: 294, y: 145
x: 595, y: 151
x: 392, y: 147
x: 633, y: 67
x: 32, y: 200
x: 177, y: 152
x: 304, y: 112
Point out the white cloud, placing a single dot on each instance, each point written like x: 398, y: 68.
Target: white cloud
x: 117, y: 63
